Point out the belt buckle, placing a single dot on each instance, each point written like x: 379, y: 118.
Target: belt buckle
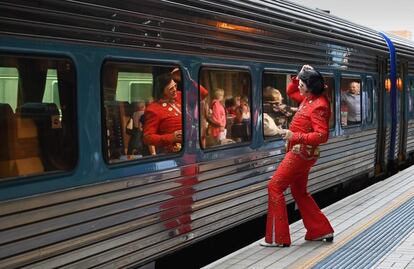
x: 316, y: 151
x: 176, y: 147
x: 296, y: 148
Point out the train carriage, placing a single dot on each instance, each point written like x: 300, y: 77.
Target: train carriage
x: 74, y: 194
x: 404, y: 89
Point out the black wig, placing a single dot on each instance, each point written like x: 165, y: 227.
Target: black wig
x: 160, y: 83
x: 313, y: 80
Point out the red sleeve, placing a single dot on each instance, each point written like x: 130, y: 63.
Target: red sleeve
x: 293, y: 91
x: 203, y: 91
x: 151, y: 124
x: 320, y: 125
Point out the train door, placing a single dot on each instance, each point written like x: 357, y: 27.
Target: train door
x: 402, y: 111
x: 410, y: 114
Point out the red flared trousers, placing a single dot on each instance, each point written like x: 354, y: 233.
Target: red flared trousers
x: 293, y: 171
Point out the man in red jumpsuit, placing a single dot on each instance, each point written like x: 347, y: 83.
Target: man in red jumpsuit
x: 163, y: 118
x: 308, y: 129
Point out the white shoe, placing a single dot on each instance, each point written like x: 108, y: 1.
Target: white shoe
x: 265, y: 244
x: 327, y: 237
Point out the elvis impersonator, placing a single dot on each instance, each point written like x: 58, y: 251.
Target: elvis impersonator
x: 308, y: 129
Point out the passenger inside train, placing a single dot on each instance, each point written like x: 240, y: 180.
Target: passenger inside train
x: 237, y: 113
x: 162, y: 118
x: 351, y: 103
x: 274, y: 107
x: 217, y: 119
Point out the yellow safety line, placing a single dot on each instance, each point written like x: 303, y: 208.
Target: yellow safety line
x: 311, y: 262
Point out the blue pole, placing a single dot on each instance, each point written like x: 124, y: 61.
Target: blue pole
x: 393, y: 78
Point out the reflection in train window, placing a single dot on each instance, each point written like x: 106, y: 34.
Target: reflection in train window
x: 350, y: 101
x: 278, y: 109
x: 225, y: 114
x: 142, y: 111
x: 37, y: 115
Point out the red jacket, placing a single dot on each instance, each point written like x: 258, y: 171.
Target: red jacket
x: 310, y: 125
x: 161, y: 120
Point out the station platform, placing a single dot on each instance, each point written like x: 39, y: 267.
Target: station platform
x: 374, y: 228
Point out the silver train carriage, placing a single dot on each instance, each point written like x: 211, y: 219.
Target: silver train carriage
x: 76, y: 77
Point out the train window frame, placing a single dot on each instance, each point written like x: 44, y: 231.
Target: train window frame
x: 225, y: 68
x: 350, y: 78
x: 410, y: 87
x: 332, y: 101
x: 369, y: 88
x: 39, y: 118
x: 289, y: 102
x: 143, y: 63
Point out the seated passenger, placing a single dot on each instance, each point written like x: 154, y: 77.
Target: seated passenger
x: 162, y: 118
x: 240, y: 130
x: 231, y: 104
x: 269, y: 126
x: 352, y: 100
x: 243, y: 111
x: 274, y: 107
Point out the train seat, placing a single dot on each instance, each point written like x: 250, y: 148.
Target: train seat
x: 46, y: 118
x: 27, y: 146
x: 7, y: 135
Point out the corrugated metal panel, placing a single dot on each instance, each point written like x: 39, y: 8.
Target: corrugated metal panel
x: 410, y: 137
x: 137, y: 219
x: 405, y: 51
x: 264, y: 31
x: 397, y: 141
x: 404, y: 47
x: 143, y: 216
x: 387, y: 141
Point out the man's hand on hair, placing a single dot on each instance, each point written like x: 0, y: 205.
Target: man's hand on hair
x: 306, y: 67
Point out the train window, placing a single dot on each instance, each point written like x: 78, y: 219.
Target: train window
x: 142, y: 110
x: 330, y: 94
x: 411, y: 99
x: 350, y: 101
x: 225, y: 112
x: 278, y: 110
x: 370, y: 100
x: 37, y: 115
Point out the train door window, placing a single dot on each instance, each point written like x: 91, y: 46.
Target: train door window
x: 37, y: 115
x: 142, y: 111
x: 411, y: 99
x: 225, y: 113
x: 369, y: 100
x: 278, y: 109
x: 330, y: 94
x: 350, y: 101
